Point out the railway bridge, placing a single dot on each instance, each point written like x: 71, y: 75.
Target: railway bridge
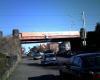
x: 35, y: 37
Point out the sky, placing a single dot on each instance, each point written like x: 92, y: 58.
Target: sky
x: 27, y: 47
x: 48, y: 15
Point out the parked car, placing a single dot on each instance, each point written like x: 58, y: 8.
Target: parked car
x: 64, y: 57
x: 48, y: 51
x: 37, y: 56
x: 81, y: 67
x: 48, y: 58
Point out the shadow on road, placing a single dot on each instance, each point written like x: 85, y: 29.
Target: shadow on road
x: 51, y: 67
x: 45, y: 77
x: 34, y: 64
x: 30, y: 58
x: 55, y: 67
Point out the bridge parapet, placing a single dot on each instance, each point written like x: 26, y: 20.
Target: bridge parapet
x: 48, y: 35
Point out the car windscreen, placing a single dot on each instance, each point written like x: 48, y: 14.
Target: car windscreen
x: 48, y: 51
x: 50, y: 55
x: 92, y: 61
x: 37, y: 54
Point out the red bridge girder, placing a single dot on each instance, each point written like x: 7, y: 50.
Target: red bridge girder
x: 47, y: 35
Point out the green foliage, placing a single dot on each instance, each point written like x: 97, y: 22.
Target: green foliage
x: 2, y: 55
x: 2, y: 63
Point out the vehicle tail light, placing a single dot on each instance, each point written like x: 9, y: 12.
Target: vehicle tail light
x: 97, y: 76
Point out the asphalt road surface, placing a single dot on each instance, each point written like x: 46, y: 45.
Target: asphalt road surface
x: 30, y: 69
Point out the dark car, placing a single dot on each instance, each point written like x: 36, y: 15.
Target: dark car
x: 48, y: 58
x: 81, y: 67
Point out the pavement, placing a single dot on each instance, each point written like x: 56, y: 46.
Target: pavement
x: 30, y: 69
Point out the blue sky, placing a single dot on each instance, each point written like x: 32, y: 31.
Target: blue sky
x: 47, y: 15
x: 27, y: 47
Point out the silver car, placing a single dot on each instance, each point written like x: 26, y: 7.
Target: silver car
x: 48, y: 58
x: 37, y: 56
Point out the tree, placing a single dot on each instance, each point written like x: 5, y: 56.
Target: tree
x: 97, y: 28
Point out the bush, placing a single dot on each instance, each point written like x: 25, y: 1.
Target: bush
x: 9, y: 51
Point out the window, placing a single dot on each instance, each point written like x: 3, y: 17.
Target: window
x: 91, y: 61
x: 48, y: 51
x: 97, y: 61
x: 71, y: 59
x: 77, y: 61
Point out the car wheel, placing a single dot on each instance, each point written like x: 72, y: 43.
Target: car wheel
x: 62, y: 75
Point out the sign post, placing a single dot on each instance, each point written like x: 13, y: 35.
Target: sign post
x: 83, y: 33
